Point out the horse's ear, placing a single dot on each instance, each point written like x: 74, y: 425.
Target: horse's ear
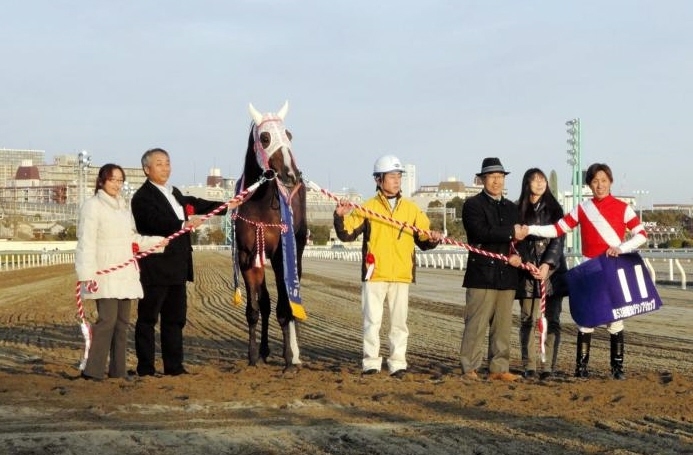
x: 282, y: 112
x: 254, y: 114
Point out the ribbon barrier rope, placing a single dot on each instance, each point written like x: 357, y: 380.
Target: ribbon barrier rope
x: 92, y: 286
x: 401, y: 224
x: 541, y: 322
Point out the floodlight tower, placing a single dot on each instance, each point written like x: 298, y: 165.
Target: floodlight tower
x: 575, y: 160
x: 128, y: 191
x: 83, y: 163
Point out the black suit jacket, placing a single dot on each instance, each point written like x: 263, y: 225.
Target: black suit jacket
x: 154, y: 216
x: 490, y: 226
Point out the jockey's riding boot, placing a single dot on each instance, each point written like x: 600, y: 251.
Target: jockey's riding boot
x: 617, y: 355
x: 583, y: 354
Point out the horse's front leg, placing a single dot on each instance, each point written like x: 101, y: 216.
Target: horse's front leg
x: 290, y: 332
x: 287, y: 323
x: 254, y: 284
x: 265, y: 310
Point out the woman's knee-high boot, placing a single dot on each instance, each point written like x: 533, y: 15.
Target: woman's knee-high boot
x: 617, y: 355
x: 583, y: 354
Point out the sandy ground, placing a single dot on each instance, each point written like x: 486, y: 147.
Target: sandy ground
x: 224, y: 406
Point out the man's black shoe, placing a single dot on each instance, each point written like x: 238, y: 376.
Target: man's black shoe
x: 143, y: 375
x: 370, y: 371
x: 399, y: 374
x: 177, y: 373
x: 529, y: 374
x: 89, y: 378
x: 544, y: 375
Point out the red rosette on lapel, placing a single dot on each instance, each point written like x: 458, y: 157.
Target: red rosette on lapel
x: 189, y: 210
x: 370, y: 263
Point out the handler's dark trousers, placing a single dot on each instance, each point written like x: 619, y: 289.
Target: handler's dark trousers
x: 169, y: 302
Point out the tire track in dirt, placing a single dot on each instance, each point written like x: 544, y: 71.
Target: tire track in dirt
x: 214, y: 324
x: 333, y: 331
x: 27, y: 297
x: 217, y: 330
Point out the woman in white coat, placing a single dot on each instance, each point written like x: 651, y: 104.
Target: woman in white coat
x: 107, y: 238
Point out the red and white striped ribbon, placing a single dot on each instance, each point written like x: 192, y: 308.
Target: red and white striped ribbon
x: 525, y: 266
x: 92, y: 286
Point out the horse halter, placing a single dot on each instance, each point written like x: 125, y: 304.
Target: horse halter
x: 273, y: 125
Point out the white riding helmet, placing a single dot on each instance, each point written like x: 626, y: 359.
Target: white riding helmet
x: 387, y: 163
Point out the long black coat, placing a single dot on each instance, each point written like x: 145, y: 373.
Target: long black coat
x: 538, y: 250
x: 490, y: 226
x: 154, y: 216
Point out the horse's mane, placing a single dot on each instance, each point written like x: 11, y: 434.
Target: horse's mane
x: 251, y: 170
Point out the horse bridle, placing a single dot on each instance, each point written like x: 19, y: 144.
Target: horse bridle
x: 279, y: 140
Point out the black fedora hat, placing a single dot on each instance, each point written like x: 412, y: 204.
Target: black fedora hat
x: 491, y: 165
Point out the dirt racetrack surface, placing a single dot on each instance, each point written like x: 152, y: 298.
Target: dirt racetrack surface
x: 225, y: 406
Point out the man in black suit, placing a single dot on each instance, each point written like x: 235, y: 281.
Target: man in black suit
x: 160, y: 211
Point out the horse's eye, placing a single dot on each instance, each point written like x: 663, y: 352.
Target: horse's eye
x: 288, y: 134
x: 265, y: 139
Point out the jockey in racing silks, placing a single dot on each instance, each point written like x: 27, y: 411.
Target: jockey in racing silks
x: 387, y: 266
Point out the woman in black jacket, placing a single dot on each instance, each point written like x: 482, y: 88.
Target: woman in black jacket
x: 537, y: 205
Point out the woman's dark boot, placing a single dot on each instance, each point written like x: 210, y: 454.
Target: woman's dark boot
x: 617, y: 356
x: 583, y: 354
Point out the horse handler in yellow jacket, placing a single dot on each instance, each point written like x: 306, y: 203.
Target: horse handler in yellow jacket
x: 387, y: 267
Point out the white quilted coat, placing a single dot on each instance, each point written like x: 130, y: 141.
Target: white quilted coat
x: 105, y: 234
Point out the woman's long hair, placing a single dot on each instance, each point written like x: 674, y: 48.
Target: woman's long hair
x: 527, y: 209
x: 105, y: 173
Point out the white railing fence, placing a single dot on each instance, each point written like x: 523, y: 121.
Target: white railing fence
x: 18, y: 261
x: 665, y: 266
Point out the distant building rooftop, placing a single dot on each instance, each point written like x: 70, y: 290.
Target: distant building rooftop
x: 27, y: 173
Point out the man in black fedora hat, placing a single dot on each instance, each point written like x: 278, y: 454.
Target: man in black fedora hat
x: 490, y: 166
x: 491, y: 222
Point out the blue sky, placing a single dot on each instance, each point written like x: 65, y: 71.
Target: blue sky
x: 441, y: 84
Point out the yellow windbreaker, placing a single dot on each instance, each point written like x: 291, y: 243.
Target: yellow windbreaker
x: 391, y: 245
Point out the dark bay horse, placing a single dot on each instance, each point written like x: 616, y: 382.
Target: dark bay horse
x: 259, y: 224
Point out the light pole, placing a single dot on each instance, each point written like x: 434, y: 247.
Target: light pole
x: 127, y: 191
x: 83, y: 162
x: 575, y: 160
x: 637, y: 199
x: 445, y: 195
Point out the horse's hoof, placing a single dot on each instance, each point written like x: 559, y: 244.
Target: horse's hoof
x: 291, y: 370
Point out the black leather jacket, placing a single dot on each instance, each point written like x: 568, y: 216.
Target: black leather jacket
x: 539, y: 250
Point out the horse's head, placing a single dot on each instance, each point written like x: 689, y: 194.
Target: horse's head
x: 272, y: 145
